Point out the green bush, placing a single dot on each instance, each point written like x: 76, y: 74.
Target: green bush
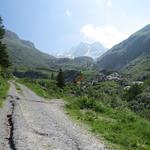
x: 145, y: 113
x: 99, y: 107
x: 134, y: 90
x: 86, y: 103
x: 117, y: 102
x: 89, y: 116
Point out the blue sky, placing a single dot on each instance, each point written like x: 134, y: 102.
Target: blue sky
x: 57, y: 25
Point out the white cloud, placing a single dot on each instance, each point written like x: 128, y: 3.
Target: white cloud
x: 68, y: 13
x: 109, y: 3
x: 107, y: 35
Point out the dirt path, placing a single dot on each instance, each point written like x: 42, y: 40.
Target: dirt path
x: 36, y: 124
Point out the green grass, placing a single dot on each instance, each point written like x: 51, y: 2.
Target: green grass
x: 43, y: 88
x: 124, y: 129
x: 4, y: 86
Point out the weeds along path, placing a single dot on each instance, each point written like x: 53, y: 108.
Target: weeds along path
x: 38, y: 124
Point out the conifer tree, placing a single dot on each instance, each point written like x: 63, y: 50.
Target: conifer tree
x: 60, y: 79
x: 4, y: 60
x: 52, y: 76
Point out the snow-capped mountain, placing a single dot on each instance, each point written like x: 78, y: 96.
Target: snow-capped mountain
x: 94, y: 50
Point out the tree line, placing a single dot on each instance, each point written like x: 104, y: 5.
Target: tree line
x: 4, y: 58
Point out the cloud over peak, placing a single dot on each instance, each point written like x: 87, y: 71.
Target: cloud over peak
x: 107, y: 35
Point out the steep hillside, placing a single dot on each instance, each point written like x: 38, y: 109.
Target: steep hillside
x: 83, y: 60
x: 24, y: 54
x: 76, y: 63
x: 122, y: 54
x: 139, y: 69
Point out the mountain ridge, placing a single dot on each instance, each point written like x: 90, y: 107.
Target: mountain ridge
x: 123, y: 53
x: 23, y: 53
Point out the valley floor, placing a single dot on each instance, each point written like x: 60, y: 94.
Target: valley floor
x: 33, y: 123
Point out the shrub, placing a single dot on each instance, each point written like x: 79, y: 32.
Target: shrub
x: 117, y: 102
x: 135, y: 90
x: 86, y: 103
x: 90, y: 116
x: 99, y: 107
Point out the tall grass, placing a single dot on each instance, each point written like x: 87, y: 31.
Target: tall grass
x: 43, y: 88
x: 4, y: 86
x: 119, y: 126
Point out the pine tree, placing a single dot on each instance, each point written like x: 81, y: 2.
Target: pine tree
x: 52, y: 76
x: 60, y: 79
x: 4, y: 60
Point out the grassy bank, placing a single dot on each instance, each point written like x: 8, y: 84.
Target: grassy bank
x: 103, y: 110
x: 43, y: 88
x: 4, y: 86
x: 123, y: 128
x: 34, y: 87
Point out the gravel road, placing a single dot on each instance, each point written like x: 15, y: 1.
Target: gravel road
x: 28, y: 122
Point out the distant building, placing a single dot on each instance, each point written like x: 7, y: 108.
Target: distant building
x: 138, y: 82
x: 114, y: 76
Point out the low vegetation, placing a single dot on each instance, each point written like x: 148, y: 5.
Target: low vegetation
x: 107, y: 108
x: 44, y: 88
x: 118, y: 126
x: 4, y: 86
